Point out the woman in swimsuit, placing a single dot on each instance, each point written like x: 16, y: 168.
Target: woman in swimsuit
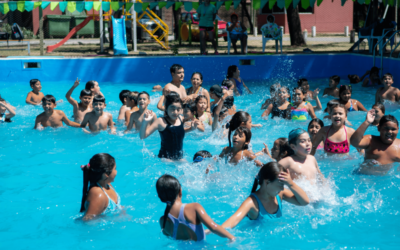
x: 99, y: 197
x: 170, y: 128
x: 279, y: 107
x: 314, y: 127
x: 266, y: 202
x: 336, y: 137
x: 184, y: 221
x: 234, y: 75
x: 345, y: 99
x: 197, y: 89
x: 200, y: 113
x: 299, y: 109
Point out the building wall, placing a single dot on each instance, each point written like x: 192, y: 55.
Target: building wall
x: 329, y: 17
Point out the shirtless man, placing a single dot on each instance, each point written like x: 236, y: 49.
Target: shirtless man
x: 387, y: 92
x: 35, y: 96
x: 80, y: 109
x: 137, y: 117
x: 98, y: 119
x: 177, y: 73
x: 380, y: 151
x: 51, y: 117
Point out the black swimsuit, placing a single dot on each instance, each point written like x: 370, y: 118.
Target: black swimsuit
x: 172, y: 141
x: 276, y: 112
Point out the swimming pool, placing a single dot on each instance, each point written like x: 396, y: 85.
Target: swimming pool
x: 42, y: 183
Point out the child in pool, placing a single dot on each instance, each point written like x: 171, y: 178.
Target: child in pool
x: 241, y: 119
x: 234, y: 75
x: 170, y: 128
x: 333, y: 90
x: 201, y: 156
x: 345, y: 99
x: 98, y: 196
x: 197, y: 89
x: 35, y: 97
x: 279, y: 150
x: 299, y: 109
x: 228, y: 84
x: 131, y: 102
x: 220, y: 112
x: 239, y: 150
x: 299, y: 161
x: 94, y: 87
x: 354, y: 79
x: 201, y: 107
x: 184, y: 221
x: 190, y: 122
x: 157, y: 88
x: 314, y: 127
x: 379, y: 113
x: 216, y: 93
x: 98, y: 119
x: 380, y: 151
x: 280, y: 106
x: 137, y: 117
x: 266, y: 202
x: 336, y: 137
x: 123, y: 96
x: 273, y: 90
x: 303, y: 84
x: 4, y: 107
x: 51, y: 117
x: 387, y: 92
x: 178, y: 74
x: 328, y: 109
x: 373, y: 78
x: 84, y: 106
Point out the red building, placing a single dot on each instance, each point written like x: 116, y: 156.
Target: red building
x: 329, y: 17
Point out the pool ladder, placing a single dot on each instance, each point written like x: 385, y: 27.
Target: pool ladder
x: 382, y: 46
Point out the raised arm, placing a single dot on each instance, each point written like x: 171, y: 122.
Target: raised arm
x: 69, y: 93
x: 238, y: 216
x: 265, y: 150
x: 9, y: 108
x: 266, y: 113
x: 362, y: 77
x: 358, y: 139
x: 147, y: 129
x: 210, y: 224
x: 295, y: 195
x: 319, y: 137
x: 244, y: 85
x: 160, y: 104
x: 217, y: 110
x: 315, y: 97
x: 68, y: 122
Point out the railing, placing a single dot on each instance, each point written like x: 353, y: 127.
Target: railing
x: 383, y: 46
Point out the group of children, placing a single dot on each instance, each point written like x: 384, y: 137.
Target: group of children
x: 195, y: 109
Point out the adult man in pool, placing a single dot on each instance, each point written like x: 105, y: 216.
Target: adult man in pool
x: 380, y: 151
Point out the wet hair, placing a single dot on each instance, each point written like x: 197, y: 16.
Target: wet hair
x: 99, y: 164
x: 198, y: 73
x: 124, y: 94
x: 169, y: 100
x: 288, y: 91
x: 317, y: 120
x: 283, y: 145
x: 354, y: 78
x: 229, y: 102
x: 294, y: 135
x: 143, y: 93
x: 175, y: 67
x: 99, y: 98
x: 374, y: 70
x: 301, y: 81
x: 231, y: 69
x: 85, y: 92
x: 174, y: 93
x: 379, y: 106
x: 237, y: 119
x: 217, y: 90
x: 191, y: 106
x: 203, y: 154
x: 197, y: 100
x: 133, y: 96
x: 90, y: 84
x: 227, y: 83
x: 387, y: 75
x: 303, y: 91
x: 49, y: 98
x: 168, y: 188
x: 338, y: 106
x: 388, y: 118
x: 33, y: 82
x: 343, y: 88
x: 335, y: 78
x: 269, y: 172
x: 330, y: 104
x: 247, y: 134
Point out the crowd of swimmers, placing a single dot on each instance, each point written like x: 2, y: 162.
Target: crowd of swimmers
x: 195, y: 109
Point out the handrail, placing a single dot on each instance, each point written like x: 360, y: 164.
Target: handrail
x: 377, y: 43
x: 396, y: 45
x: 383, y: 46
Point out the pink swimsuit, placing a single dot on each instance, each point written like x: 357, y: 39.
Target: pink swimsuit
x: 336, y: 147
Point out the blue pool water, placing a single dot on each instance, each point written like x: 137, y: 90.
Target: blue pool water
x: 42, y: 184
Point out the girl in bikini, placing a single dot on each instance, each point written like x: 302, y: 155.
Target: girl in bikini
x: 200, y: 112
x: 97, y: 178
x: 184, y: 221
x: 197, y: 89
x: 279, y: 107
x: 314, y: 127
x: 266, y: 202
x: 345, y: 99
x: 299, y: 109
x: 336, y: 137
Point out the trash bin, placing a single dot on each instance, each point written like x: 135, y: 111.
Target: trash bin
x: 58, y: 25
x: 87, y: 30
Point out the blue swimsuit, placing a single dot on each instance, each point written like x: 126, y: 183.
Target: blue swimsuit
x: 198, y: 229
x: 112, y: 206
x: 263, y: 213
x: 239, y: 85
x: 351, y: 106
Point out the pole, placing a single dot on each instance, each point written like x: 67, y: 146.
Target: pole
x: 133, y: 13
x: 41, y: 30
x: 101, y: 27
x: 396, y: 13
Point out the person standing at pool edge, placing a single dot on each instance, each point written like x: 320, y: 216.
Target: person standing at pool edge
x: 178, y: 74
x: 98, y: 196
x: 207, y: 14
x: 170, y: 128
x: 191, y: 216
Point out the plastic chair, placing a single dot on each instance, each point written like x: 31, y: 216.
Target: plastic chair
x: 266, y: 39
x: 229, y: 42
